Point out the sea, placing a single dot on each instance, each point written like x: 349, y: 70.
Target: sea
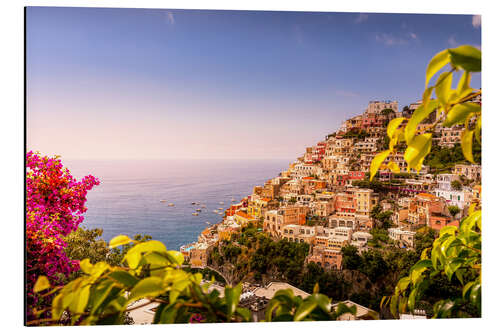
x: 133, y: 196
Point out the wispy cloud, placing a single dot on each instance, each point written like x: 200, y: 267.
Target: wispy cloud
x: 452, y: 41
x: 389, y: 39
x: 345, y: 93
x: 361, y: 18
x: 476, y: 21
x: 169, y: 17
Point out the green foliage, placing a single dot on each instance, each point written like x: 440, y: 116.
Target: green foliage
x: 383, y: 218
x: 356, y: 134
x: 442, y: 159
x: 456, y: 185
x: 386, y: 112
x: 105, y: 293
x: 380, y: 237
x: 455, y: 255
x: 284, y: 306
x: 453, y: 107
x: 88, y: 244
x: 350, y: 258
x: 454, y: 210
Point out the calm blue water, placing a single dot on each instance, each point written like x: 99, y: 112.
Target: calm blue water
x: 128, y: 199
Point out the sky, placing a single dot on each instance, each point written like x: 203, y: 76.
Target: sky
x: 110, y: 83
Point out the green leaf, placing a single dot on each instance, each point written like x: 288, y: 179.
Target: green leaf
x: 403, y: 283
x: 232, y: 297
x: 86, y: 266
x: 272, y: 305
x: 477, y: 129
x: 417, y: 149
x: 466, y: 57
x: 394, y: 306
x: 443, y: 87
x: 464, y: 83
x: 119, y: 240
x: 244, y: 313
x: 82, y: 299
x: 459, y: 112
x: 411, y: 299
x: 343, y: 308
x: 437, y: 62
x: 149, y: 287
x: 448, y: 230
x: 133, y: 255
x: 177, y: 288
x: 57, y: 306
x: 393, y: 125
x: 393, y: 167
x: 132, y: 259
x: 168, y: 314
x: 377, y: 161
x: 175, y: 257
x: 466, y: 143
x: 434, y: 258
x: 423, y: 255
x: 98, y: 269
x: 125, y: 278
x: 304, y: 309
x: 322, y: 301
x: 41, y: 283
x: 417, y: 270
x: 422, y: 112
x: 99, y: 294
x: 156, y: 259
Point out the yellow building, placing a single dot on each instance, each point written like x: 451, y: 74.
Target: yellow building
x: 243, y: 218
x: 365, y: 200
x: 257, y: 208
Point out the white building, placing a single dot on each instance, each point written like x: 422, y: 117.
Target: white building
x: 405, y: 237
x: 444, y: 190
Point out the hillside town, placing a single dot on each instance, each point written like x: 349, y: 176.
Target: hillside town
x: 324, y: 198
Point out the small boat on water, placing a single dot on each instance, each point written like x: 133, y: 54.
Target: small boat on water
x: 220, y: 213
x: 215, y: 211
x: 195, y: 214
x: 203, y: 206
x: 233, y: 199
x: 193, y: 203
x: 198, y: 209
x: 221, y: 208
x: 171, y: 204
x: 163, y: 200
x: 221, y: 203
x: 207, y: 222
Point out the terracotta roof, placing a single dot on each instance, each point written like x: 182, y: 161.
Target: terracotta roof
x: 427, y: 195
x: 244, y: 215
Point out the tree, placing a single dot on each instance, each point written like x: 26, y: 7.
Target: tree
x: 350, y: 257
x: 456, y: 185
x: 104, y: 293
x: 456, y: 253
x: 386, y: 112
x: 454, y: 210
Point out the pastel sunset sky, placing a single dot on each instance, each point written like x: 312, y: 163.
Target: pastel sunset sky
x: 158, y: 83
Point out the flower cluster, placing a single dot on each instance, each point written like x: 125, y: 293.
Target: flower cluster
x: 55, y: 204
